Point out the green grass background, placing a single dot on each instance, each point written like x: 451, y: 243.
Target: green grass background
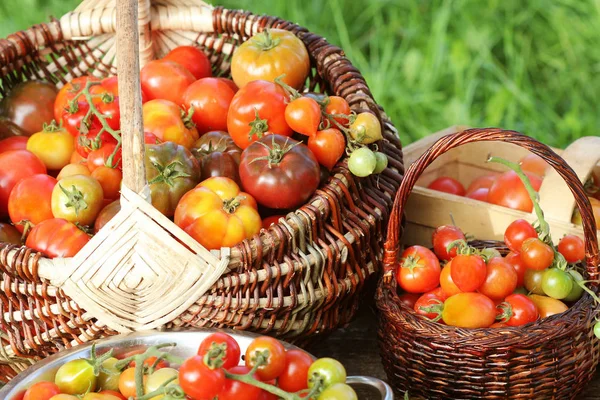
x: 533, y: 65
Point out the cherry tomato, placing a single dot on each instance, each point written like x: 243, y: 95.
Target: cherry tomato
x: 517, y: 310
x: 536, y: 254
x: 29, y: 105
x: 468, y: 272
x: 158, y: 378
x: 429, y: 299
x: 447, y: 185
x: 13, y: 143
x: 303, y: 115
x: 127, y: 382
x: 382, y: 162
x: 73, y: 169
x: 409, y: 299
x: 572, y: 248
x: 232, y: 350
x: 509, y: 191
x: 327, y: 370
x: 514, y: 259
x: 102, y: 156
x: 338, y: 391
x: 338, y: 106
x: 481, y: 182
x: 274, y: 352
x: 480, y: 194
x: 548, y: 306
x: 76, y: 377
x: 517, y: 232
x: 268, y: 55
x: 218, y: 156
x: 419, y: 270
x: 366, y: 128
x: 210, y: 98
x: 9, y: 234
x: 93, y: 140
x: 236, y: 390
x: 30, y: 201
x: 41, y: 391
x: 68, y: 92
x: 193, y: 59
x: 533, y: 281
x: 264, y: 395
x: 106, y: 214
x: 257, y: 109
x: 164, y: 119
x: 469, y: 310
x: 108, y: 380
x: 328, y: 146
x: 199, y: 381
x: 534, y: 164
x: 442, y: 237
x: 557, y: 283
x: 362, y: 162
x: 577, y: 290
x: 110, y: 180
x: 295, y: 375
x: 446, y: 282
x: 500, y: 281
x: 167, y: 80
x: 57, y: 238
x: 77, y: 199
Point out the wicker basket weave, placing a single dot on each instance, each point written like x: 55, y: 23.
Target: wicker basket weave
x: 553, y: 358
x: 299, y: 279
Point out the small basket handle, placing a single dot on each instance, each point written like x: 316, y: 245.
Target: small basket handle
x: 395, y: 229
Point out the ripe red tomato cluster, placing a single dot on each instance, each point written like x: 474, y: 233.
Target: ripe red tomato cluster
x: 215, y: 372
x: 479, y: 288
x: 216, y: 149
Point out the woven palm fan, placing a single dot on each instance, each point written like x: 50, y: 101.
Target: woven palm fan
x: 299, y: 279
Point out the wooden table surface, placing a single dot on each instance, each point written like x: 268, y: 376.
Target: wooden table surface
x: 356, y: 347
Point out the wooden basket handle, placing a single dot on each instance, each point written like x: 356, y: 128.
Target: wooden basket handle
x: 395, y: 228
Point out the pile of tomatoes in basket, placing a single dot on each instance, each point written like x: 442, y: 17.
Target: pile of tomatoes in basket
x: 269, y: 372
x: 221, y: 155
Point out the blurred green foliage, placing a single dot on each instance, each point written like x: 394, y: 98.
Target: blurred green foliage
x: 533, y: 66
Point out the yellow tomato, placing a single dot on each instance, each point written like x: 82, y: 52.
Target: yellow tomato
x: 158, y: 378
x: 165, y: 120
x: 73, y: 169
x: 78, y: 199
x: 548, y: 306
x: 366, y: 128
x: 268, y: 55
x: 53, y: 145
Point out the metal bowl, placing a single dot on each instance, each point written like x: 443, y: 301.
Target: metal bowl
x: 187, y: 344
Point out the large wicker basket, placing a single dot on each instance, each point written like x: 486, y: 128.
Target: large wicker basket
x: 553, y: 358
x: 298, y: 280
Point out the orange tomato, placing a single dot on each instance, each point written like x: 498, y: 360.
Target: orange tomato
x: 110, y: 180
x: 469, y: 310
x: 548, y: 306
x: 217, y: 214
x: 448, y: 286
x: 164, y: 119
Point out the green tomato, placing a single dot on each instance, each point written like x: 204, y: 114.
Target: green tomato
x: 158, y: 378
x: 576, y: 291
x: 362, y: 162
x: 597, y: 329
x: 328, y: 370
x: 109, y: 380
x: 557, y: 283
x: 533, y: 281
x: 338, y: 391
x: 76, y: 377
x: 382, y: 162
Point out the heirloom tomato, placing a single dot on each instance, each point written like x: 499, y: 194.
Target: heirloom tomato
x: 469, y: 310
x: 268, y: 55
x: 419, y: 270
x: 171, y: 171
x: 210, y: 98
x: 57, y: 237
x: 517, y: 232
x: 572, y: 248
x: 328, y: 146
x: 447, y: 185
x: 509, y: 191
x: 53, y: 145
x: 536, y: 254
x: 41, y: 391
x: 232, y: 348
x: 279, y: 172
x: 68, y: 93
x: 303, y: 115
x: 366, y: 128
x: 105, y: 156
x: 468, y: 272
x: 481, y: 182
x: 501, y: 279
x: 534, y: 164
x: 218, y: 156
x: 168, y: 122
x: 29, y: 105
x: 192, y: 58
x: 256, y: 110
x: 236, y: 390
x: 14, y: 166
x: 77, y: 199
x: 29, y: 202
x: 13, y: 143
x: 73, y: 169
x: 167, y: 80
x: 217, y: 214
x: 199, y: 381
x: 9, y: 234
x: 547, y: 306
x: 9, y: 129
x: 518, y: 309
x: 110, y: 180
x: 442, y: 237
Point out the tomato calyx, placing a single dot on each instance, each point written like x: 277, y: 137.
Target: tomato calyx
x: 169, y: 173
x: 215, y: 356
x: 265, y: 41
x: 51, y: 127
x: 96, y: 361
x: 276, y: 152
x: 75, y: 199
x: 436, y: 308
x: 27, y: 227
x: 259, y: 126
x: 231, y: 205
x: 506, y: 312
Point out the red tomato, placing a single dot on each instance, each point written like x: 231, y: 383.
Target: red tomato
x: 468, y: 272
x: 446, y: 282
x: 257, y: 109
x: 275, y: 357
x: 167, y: 80
x: 164, y: 119
x: 295, y: 375
x: 536, y: 254
x: 232, y: 349
x: 230, y: 83
x: 534, y: 164
x: 57, y: 238
x: 236, y: 390
x: 279, y: 172
x: 480, y: 194
x: 303, y: 115
x: 517, y: 232
x: 85, y: 144
x: 199, y: 381
x: 509, y: 191
x: 68, y: 92
x: 210, y: 98
x: 517, y: 310
x: 110, y: 180
x: 13, y: 143
x: 328, y: 146
x: 514, y: 259
x: 14, y: 166
x: 572, y: 248
x: 264, y: 395
x: 501, y: 279
x: 428, y: 300
x: 338, y: 106
x: 419, y: 270
x: 30, y: 201
x: 447, y: 185
x: 100, y: 157
x: 409, y: 299
x: 273, y: 219
x: 469, y: 310
x: 150, y: 138
x: 442, y: 237
x: 193, y: 59
x: 482, y: 182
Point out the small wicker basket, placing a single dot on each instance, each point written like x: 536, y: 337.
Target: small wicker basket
x: 299, y: 279
x: 552, y: 358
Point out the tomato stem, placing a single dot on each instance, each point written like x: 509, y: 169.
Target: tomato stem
x: 168, y: 174
x: 276, y: 152
x: 437, y: 308
x: 293, y: 93
x: 250, y: 380
x: 214, y: 356
x: 75, y: 199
